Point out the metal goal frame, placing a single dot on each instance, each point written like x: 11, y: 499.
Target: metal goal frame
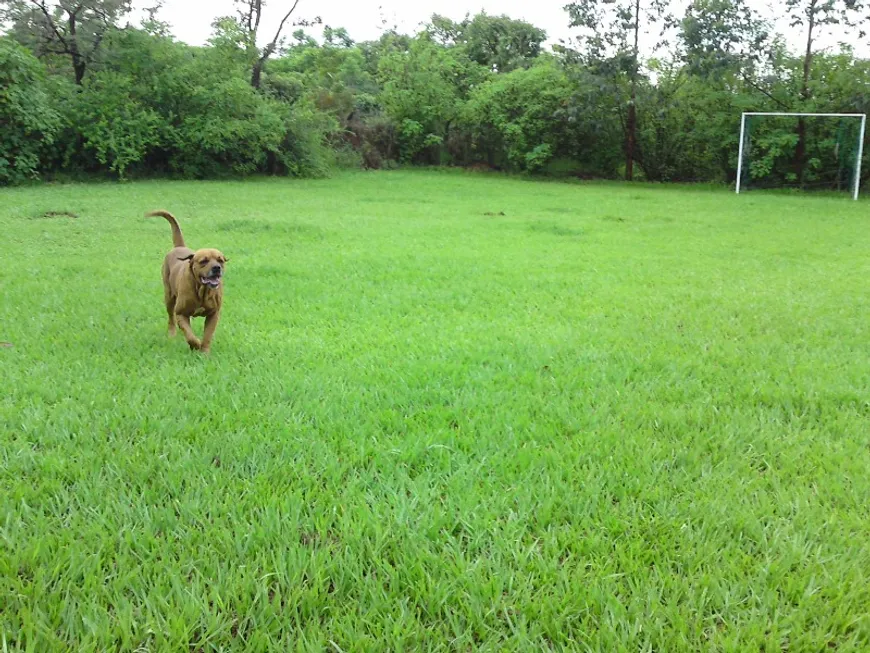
x: 862, y: 116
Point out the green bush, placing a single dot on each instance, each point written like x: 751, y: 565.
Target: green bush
x: 480, y: 91
x: 538, y: 159
x: 423, y: 92
x: 28, y: 116
x: 227, y: 127
x: 114, y: 124
x: 306, y: 149
x: 512, y: 119
x: 219, y: 124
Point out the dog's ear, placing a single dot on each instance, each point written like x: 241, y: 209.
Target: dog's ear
x: 185, y: 258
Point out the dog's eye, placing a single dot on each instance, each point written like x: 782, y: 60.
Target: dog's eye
x: 204, y: 261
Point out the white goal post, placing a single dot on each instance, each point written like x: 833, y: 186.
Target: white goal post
x: 861, y: 116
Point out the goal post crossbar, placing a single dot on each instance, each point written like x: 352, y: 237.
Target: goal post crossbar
x: 863, y: 128
x: 805, y: 115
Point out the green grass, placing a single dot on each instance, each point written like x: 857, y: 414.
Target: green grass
x: 615, y: 418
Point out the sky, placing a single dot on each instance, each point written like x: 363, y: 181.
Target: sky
x: 191, y: 20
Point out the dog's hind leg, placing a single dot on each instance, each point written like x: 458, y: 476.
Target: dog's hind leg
x: 170, y: 310
x: 168, y: 298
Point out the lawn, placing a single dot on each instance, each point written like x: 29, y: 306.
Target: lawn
x: 442, y: 411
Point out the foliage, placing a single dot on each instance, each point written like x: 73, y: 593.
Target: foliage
x: 616, y: 100
x: 305, y: 149
x: 721, y: 36
x: 498, y: 43
x: 27, y: 112
x: 610, y: 36
x: 247, y: 24
x: 514, y: 116
x: 114, y: 125
x: 422, y: 92
x: 226, y: 128
x: 72, y: 29
x: 333, y: 76
x: 229, y: 127
x: 688, y: 127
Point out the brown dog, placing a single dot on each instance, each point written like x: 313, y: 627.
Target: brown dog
x: 192, y: 286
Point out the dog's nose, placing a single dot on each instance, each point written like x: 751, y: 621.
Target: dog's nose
x: 215, y: 269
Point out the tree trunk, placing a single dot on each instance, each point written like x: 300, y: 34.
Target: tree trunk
x: 257, y: 8
x: 800, y: 154
x: 79, y: 68
x: 630, y: 139
x: 78, y: 62
x: 257, y: 73
x: 631, y: 122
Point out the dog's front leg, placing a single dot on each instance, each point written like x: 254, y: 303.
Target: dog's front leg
x: 211, y: 322
x: 184, y: 323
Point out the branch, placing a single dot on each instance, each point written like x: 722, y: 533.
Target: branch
x: 107, y: 21
x: 50, y: 21
x: 259, y: 15
x: 246, y: 16
x: 98, y: 39
x: 269, y: 49
x: 45, y: 49
x: 47, y: 44
x: 782, y: 105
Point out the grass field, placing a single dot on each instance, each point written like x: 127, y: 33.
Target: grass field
x: 614, y: 418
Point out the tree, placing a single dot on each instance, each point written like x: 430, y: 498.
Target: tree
x: 724, y: 45
x: 726, y: 39
x: 611, y: 37
x: 722, y: 35
x: 68, y: 28
x: 815, y: 15
x: 333, y: 75
x: 152, y: 24
x: 422, y: 93
x: 337, y: 37
x: 250, y: 15
x: 500, y: 43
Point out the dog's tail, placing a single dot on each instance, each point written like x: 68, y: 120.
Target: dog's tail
x: 177, y: 238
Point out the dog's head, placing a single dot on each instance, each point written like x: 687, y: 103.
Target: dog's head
x: 207, y: 266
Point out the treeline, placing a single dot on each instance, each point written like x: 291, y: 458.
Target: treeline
x: 80, y: 94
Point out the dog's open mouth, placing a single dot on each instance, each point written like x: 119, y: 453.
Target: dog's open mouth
x: 211, y: 282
